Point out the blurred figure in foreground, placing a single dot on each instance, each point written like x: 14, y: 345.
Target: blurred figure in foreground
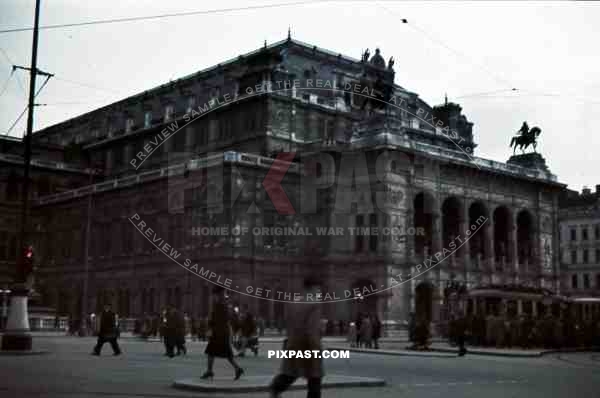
x: 303, y: 333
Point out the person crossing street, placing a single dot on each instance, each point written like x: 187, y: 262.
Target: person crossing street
x: 108, y: 331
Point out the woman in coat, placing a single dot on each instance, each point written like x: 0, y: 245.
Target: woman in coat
x: 219, y: 343
x: 303, y: 333
x: 366, y: 332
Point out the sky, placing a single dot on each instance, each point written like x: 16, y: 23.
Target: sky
x: 474, y: 52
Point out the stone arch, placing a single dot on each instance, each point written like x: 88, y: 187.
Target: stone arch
x: 525, y: 237
x: 424, y: 205
x: 502, y: 234
x: 452, y: 219
x: 424, y: 294
x: 478, y: 242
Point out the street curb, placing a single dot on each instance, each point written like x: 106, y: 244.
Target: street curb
x: 22, y: 353
x: 209, y: 386
x: 471, y: 351
x: 399, y: 353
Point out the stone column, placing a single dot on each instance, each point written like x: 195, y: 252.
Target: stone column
x: 466, y: 248
x: 513, y: 249
x: 437, y: 241
x: 489, y: 265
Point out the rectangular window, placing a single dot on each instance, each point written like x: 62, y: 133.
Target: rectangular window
x: 598, y: 256
x: 191, y: 104
x: 586, y: 281
x: 574, y: 257
x: 147, y: 119
x: 584, y: 234
x: 129, y: 123
x: 597, y: 281
x: 586, y: 256
x: 359, y: 239
x: 372, y: 235
x: 597, y: 231
x: 169, y: 112
x: 573, y: 234
x: 574, y: 281
x: 110, y: 129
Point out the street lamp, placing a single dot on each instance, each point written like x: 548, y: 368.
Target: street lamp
x: 84, y: 300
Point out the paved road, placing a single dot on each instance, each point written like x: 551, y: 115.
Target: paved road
x: 69, y: 371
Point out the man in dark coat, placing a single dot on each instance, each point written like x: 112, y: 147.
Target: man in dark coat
x: 376, y: 330
x: 180, y: 332
x: 170, y: 331
x: 248, y: 332
x: 108, y: 331
x: 460, y: 333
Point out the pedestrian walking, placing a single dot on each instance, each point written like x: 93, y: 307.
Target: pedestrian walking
x: 248, y: 332
x: 303, y: 333
x: 169, y: 331
x: 108, y: 331
x: 376, y: 327
x: 358, y: 324
x: 180, y: 333
x: 366, y: 332
x: 460, y: 329
x: 219, y: 342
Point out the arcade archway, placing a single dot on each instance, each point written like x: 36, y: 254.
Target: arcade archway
x: 424, y: 301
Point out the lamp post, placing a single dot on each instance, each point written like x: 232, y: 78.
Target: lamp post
x: 17, y: 335
x: 86, y: 254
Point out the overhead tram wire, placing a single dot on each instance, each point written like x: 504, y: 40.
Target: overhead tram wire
x: 87, y: 85
x: 171, y: 15
x: 27, y: 107
x: 5, y: 85
x: 437, y: 41
x: 484, y: 95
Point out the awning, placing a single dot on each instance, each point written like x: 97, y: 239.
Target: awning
x: 512, y: 295
x: 591, y: 300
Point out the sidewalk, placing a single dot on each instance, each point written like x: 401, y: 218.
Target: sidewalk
x: 398, y: 352
x: 445, y: 350
x: 261, y: 383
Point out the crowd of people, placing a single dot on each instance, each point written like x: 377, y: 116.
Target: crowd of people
x: 365, y: 331
x: 526, y: 331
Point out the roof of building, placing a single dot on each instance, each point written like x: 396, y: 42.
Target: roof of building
x: 220, y: 66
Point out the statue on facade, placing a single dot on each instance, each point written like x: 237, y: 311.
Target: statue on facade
x: 391, y: 63
x: 525, y: 137
x: 366, y: 55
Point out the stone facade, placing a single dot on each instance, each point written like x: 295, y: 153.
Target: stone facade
x: 414, y: 163
x: 579, y: 218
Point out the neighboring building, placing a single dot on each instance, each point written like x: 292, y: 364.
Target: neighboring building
x: 50, y: 173
x: 579, y: 218
x: 436, y: 186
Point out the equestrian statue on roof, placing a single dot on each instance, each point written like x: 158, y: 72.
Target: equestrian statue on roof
x: 525, y: 137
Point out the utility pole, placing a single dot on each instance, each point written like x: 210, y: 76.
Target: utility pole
x: 83, y: 329
x: 17, y: 335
